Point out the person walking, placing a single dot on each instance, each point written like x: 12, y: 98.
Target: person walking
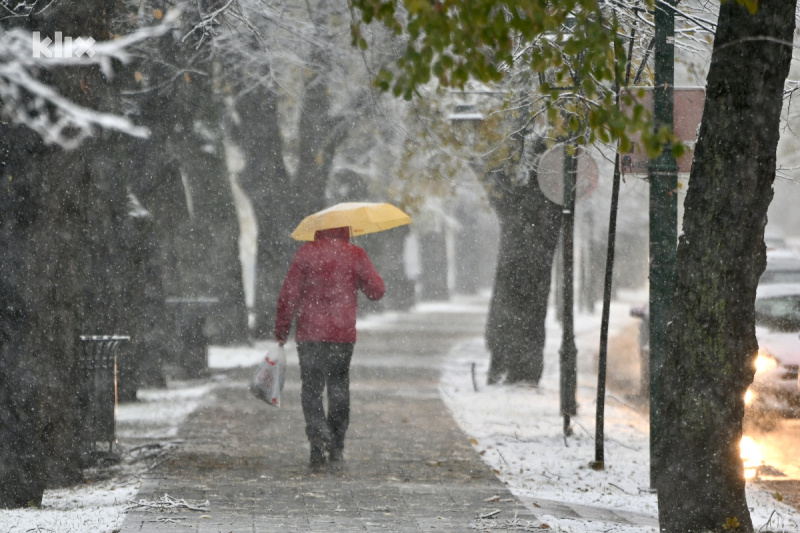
x: 320, y: 292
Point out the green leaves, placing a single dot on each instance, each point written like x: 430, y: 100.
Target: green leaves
x: 751, y: 5
x: 383, y: 80
x: 579, y: 46
x: 653, y: 142
x: 356, y: 38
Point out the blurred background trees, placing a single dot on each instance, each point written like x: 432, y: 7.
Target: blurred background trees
x: 149, y: 190
x: 129, y: 176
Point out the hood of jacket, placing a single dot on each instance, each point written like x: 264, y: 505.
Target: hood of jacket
x: 333, y: 234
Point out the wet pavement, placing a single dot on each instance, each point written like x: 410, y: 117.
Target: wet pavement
x: 243, y: 465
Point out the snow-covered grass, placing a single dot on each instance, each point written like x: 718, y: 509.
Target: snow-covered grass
x: 518, y: 430
x: 159, y: 412
x: 145, y: 430
x: 96, y: 507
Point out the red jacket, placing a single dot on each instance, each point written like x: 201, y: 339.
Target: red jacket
x: 321, y: 289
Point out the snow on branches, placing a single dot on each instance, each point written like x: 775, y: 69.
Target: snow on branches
x: 26, y: 100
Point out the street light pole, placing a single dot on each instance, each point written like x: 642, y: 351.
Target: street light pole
x: 663, y: 174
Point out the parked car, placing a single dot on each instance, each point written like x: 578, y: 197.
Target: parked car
x: 776, y: 386
x: 783, y: 266
x: 775, y: 242
x: 642, y: 312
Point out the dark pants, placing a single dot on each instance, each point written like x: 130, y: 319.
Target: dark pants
x: 321, y: 364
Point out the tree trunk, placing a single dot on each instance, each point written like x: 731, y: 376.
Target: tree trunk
x: 433, y: 263
x: 721, y: 254
x: 158, y: 186
x: 529, y: 231
x: 280, y: 200
x: 385, y: 250
x: 319, y: 134
x: 47, y: 274
x: 184, y: 113
x: 60, y: 228
x: 22, y: 469
x: 467, y: 248
x: 213, y: 267
x: 266, y: 181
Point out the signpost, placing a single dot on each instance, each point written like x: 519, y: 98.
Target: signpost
x: 568, y: 354
x: 686, y: 115
x: 564, y: 178
x: 683, y: 108
x: 663, y: 172
x: 550, y: 174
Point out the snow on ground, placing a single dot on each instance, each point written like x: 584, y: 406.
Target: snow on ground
x: 96, y: 507
x: 518, y: 430
x: 99, y: 505
x: 224, y: 357
x: 159, y: 412
x: 382, y: 321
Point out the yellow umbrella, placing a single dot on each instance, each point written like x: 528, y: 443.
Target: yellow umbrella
x: 360, y: 217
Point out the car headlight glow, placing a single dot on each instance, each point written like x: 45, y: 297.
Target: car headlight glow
x: 765, y: 362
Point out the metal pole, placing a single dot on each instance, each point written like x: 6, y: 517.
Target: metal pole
x: 599, y: 437
x: 569, y: 352
x: 663, y: 173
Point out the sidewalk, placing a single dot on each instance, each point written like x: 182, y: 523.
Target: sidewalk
x: 242, y: 465
x: 408, y: 467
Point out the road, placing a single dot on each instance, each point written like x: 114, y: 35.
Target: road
x: 779, y: 446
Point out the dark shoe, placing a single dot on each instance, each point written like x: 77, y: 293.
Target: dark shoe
x: 317, y: 457
x: 335, y: 455
x: 335, y: 447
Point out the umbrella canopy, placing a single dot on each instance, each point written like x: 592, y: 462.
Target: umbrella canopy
x: 360, y: 217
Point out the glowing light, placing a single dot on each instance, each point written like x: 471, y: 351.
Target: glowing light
x: 751, y: 457
x: 748, y: 397
x: 765, y: 363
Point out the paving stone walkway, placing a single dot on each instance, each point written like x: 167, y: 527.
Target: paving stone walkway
x: 408, y: 467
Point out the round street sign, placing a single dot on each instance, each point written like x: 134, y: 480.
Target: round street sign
x: 550, y: 174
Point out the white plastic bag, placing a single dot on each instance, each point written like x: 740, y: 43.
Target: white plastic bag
x: 267, y: 382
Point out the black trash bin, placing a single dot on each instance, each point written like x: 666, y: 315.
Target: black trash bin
x: 97, y: 396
